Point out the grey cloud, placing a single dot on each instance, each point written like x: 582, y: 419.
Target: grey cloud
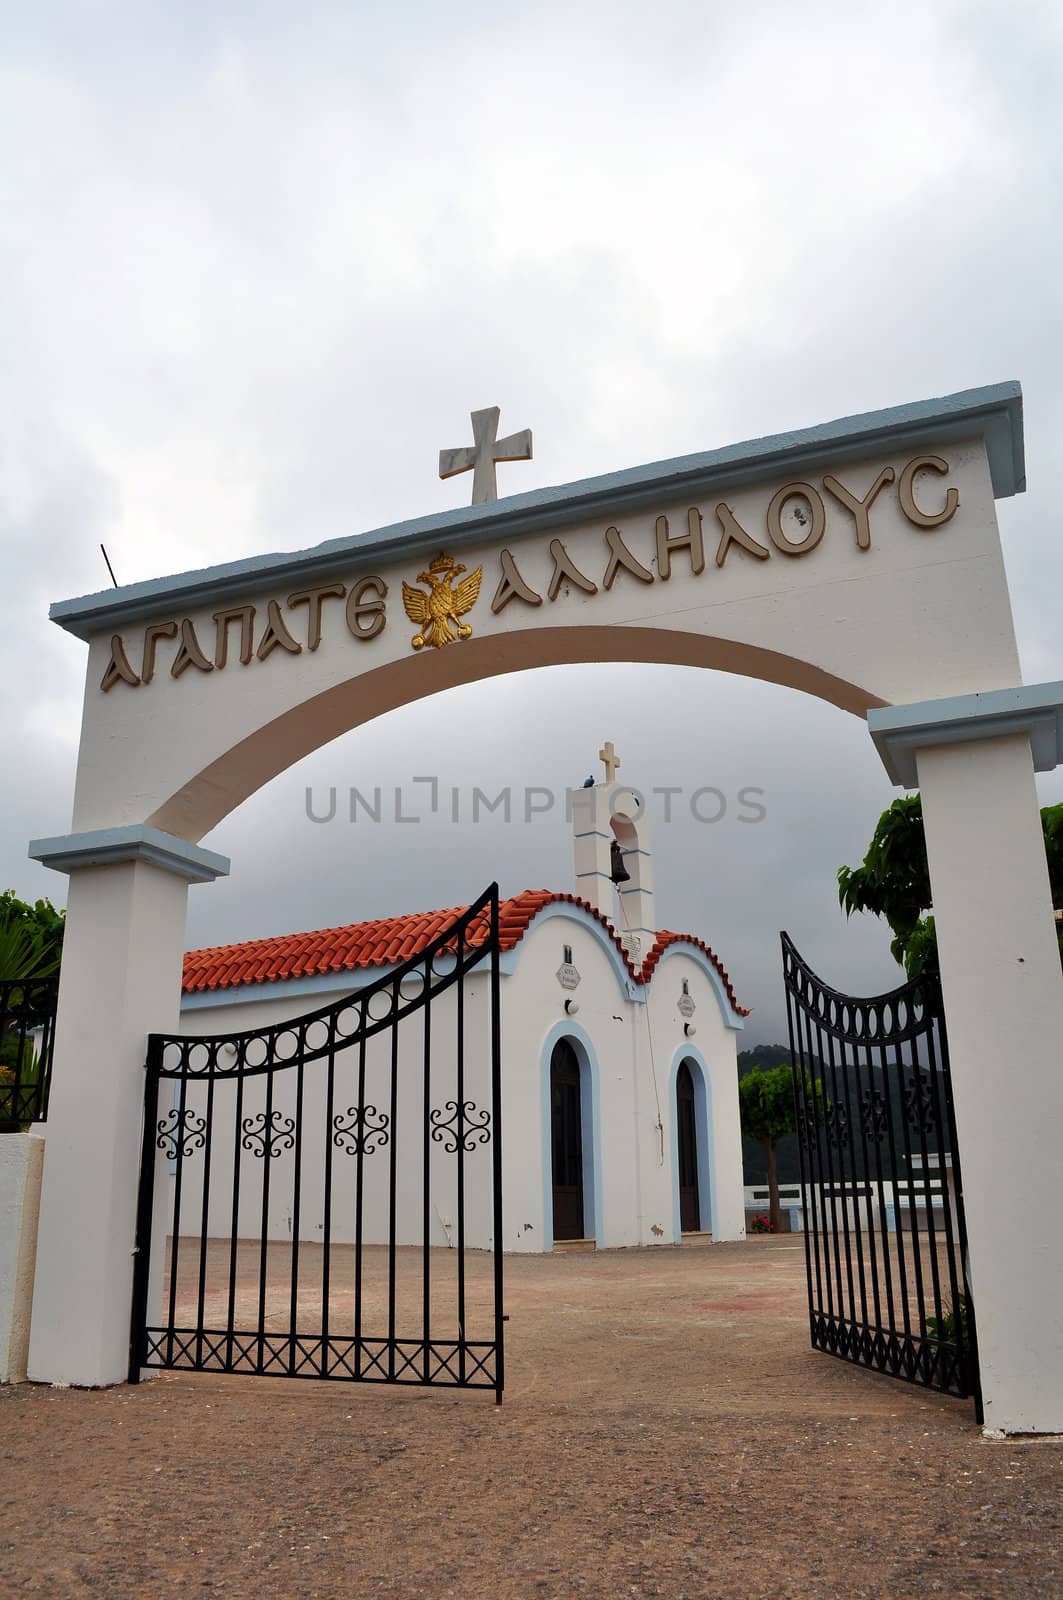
x: 263, y: 262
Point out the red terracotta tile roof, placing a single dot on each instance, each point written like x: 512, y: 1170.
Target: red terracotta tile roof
x: 660, y: 945
x: 393, y: 939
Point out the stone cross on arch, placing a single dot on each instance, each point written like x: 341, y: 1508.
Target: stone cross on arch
x: 481, y: 455
x: 611, y: 760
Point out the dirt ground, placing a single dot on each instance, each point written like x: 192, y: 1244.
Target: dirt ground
x: 666, y: 1431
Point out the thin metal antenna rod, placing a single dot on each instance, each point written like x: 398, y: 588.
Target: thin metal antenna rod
x: 110, y: 569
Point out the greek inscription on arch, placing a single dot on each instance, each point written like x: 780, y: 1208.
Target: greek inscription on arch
x: 313, y: 599
x: 245, y: 616
x: 859, y: 509
x: 817, y: 522
x: 366, y: 614
x: 622, y: 560
x: 693, y: 540
x: 189, y: 653
x: 906, y: 493
x: 152, y: 634
x: 734, y: 533
x: 511, y: 586
x: 277, y: 635
x: 566, y: 571
x: 118, y: 669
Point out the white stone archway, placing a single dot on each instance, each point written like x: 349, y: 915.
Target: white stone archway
x: 859, y: 562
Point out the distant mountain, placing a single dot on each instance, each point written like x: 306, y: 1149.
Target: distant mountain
x: 852, y: 1086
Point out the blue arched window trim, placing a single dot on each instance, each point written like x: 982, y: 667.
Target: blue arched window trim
x: 699, y: 1072
x: 590, y: 1117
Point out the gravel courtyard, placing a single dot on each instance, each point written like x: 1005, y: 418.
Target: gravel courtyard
x: 666, y: 1431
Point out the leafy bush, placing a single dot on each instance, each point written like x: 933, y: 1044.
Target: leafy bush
x: 956, y: 1321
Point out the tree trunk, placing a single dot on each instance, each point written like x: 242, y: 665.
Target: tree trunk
x: 774, y: 1207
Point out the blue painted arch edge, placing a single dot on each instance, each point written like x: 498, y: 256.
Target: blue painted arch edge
x: 629, y: 989
x: 703, y: 1136
x: 590, y: 1116
x: 684, y: 947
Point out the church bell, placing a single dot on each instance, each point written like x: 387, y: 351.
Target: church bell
x: 619, y: 871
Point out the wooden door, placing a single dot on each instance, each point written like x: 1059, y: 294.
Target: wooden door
x: 567, y: 1136
x: 689, y: 1205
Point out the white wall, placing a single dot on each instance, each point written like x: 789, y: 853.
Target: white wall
x: 603, y: 1031
x: 712, y: 1051
x: 628, y: 1139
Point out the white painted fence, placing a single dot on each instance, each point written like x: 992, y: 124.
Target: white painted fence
x: 857, y: 1204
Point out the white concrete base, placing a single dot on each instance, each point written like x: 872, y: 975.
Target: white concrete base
x: 21, y: 1168
x: 1042, y: 1438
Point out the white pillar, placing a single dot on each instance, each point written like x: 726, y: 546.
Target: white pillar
x: 121, y: 980
x: 1003, y: 994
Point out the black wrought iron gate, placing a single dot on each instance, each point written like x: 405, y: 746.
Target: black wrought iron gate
x: 27, y: 1040
x: 884, y: 1231
x: 328, y: 1202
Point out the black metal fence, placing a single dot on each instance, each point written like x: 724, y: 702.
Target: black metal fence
x: 27, y: 1040
x: 328, y: 1202
x: 884, y: 1231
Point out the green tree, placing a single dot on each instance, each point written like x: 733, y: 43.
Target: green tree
x: 31, y: 946
x: 31, y: 937
x: 754, y: 1162
x: 766, y: 1106
x: 893, y: 881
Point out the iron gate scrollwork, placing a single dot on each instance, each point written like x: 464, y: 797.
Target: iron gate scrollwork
x: 322, y: 1197
x: 884, y: 1230
x: 27, y: 1040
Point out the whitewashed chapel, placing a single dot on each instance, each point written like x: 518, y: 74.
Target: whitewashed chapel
x: 619, y: 1083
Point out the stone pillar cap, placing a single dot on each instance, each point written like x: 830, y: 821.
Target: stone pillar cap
x: 1035, y: 709
x: 106, y: 847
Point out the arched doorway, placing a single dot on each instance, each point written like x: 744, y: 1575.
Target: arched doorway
x: 566, y: 1140
x: 687, y: 1134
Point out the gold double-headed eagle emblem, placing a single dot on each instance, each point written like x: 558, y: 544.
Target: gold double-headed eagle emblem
x: 444, y: 603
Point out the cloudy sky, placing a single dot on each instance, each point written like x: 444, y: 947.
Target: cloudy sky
x: 261, y: 260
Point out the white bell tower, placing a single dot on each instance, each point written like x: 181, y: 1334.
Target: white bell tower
x: 611, y: 842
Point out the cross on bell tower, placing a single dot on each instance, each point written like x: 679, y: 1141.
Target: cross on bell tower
x: 608, y: 756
